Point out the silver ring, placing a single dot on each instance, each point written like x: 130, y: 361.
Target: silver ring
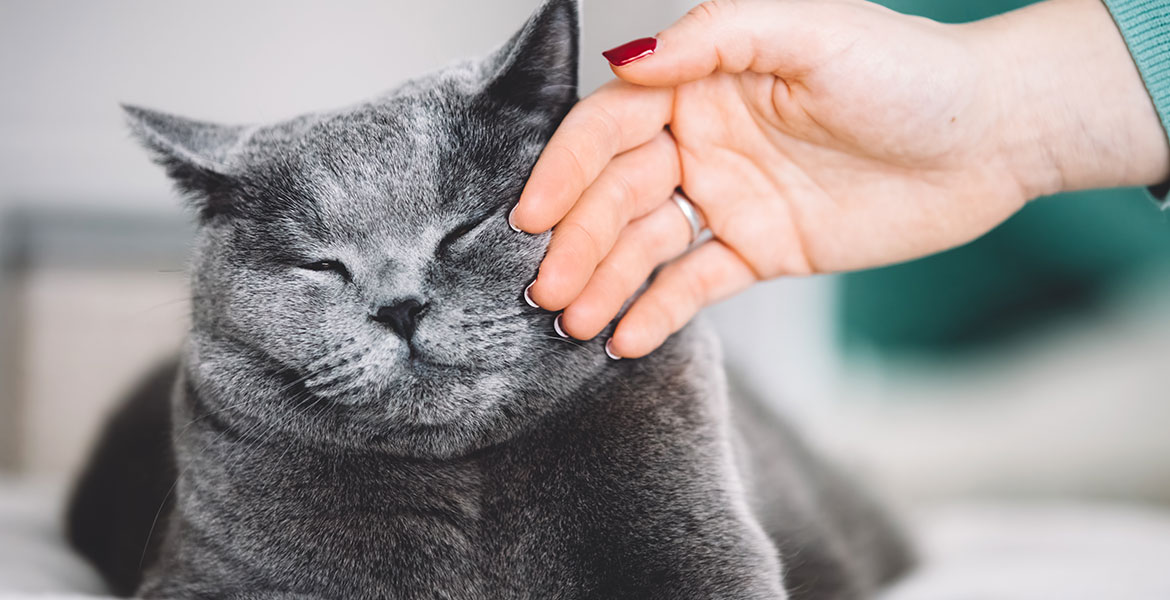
x: 692, y: 214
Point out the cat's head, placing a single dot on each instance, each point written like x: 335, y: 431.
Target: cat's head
x: 362, y: 257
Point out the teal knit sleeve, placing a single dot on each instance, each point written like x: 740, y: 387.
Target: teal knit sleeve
x: 1145, y: 25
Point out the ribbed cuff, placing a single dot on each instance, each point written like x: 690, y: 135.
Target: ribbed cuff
x: 1145, y: 25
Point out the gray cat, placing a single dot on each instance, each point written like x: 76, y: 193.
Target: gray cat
x: 365, y: 407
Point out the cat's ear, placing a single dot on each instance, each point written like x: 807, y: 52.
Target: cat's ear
x: 537, y: 68
x: 195, y: 155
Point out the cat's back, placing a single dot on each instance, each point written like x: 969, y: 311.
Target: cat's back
x: 120, y: 503
x: 836, y: 540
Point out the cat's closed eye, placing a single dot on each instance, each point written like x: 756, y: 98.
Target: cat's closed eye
x: 461, y: 231
x: 328, y: 265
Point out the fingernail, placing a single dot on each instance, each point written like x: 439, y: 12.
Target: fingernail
x: 528, y: 296
x: 511, y: 223
x: 609, y: 350
x: 631, y: 51
x: 557, y: 327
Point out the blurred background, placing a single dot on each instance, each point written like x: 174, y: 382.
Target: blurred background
x: 1029, y: 365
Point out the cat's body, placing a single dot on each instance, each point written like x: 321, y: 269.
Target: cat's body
x: 654, y: 484
x: 401, y: 426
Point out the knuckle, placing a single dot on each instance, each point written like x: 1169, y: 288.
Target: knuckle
x: 574, y: 163
x: 587, y: 245
x: 595, y: 132
x: 654, y: 244
x: 668, y: 149
x: 659, y: 314
x: 619, y: 275
x: 599, y: 124
x: 690, y: 287
x: 622, y: 195
x: 606, y: 122
x: 696, y: 286
x: 734, y: 53
x: 710, y: 11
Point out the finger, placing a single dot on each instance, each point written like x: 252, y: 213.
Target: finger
x: 616, y: 118
x: 631, y: 186
x: 721, y: 35
x: 645, y: 243
x: 712, y: 272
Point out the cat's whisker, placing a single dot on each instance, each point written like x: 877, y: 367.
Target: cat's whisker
x: 179, y: 476
x: 154, y: 522
x: 259, y: 429
x: 302, y: 406
x: 288, y: 447
x: 160, y: 305
x: 250, y: 401
x: 329, y: 383
x: 247, y: 431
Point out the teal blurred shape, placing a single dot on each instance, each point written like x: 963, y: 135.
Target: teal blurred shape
x: 953, y: 11
x: 1056, y: 258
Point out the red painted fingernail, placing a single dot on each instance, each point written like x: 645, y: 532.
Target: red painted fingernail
x: 631, y: 51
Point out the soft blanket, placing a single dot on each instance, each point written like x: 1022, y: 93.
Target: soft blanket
x: 1036, y: 551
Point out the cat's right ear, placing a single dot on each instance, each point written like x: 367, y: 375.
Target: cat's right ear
x: 195, y: 154
x: 537, y: 69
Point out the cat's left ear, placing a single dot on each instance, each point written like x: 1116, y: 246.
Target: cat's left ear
x: 537, y: 68
x: 195, y: 154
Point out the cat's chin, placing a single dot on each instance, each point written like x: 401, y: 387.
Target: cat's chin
x: 442, y: 411
x: 423, y: 407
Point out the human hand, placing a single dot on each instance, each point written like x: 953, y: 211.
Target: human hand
x: 819, y: 137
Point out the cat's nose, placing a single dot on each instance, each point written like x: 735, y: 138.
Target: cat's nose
x: 401, y: 316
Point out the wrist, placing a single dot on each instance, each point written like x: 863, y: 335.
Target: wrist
x: 1070, y: 109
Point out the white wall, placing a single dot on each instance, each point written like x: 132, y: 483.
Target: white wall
x: 65, y: 66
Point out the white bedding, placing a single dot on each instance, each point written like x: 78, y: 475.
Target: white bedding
x: 978, y: 552
x: 1041, y: 551
x: 35, y: 562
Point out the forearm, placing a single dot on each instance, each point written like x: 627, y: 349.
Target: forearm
x: 1073, y: 110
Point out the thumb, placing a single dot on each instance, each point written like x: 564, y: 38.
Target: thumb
x: 720, y: 35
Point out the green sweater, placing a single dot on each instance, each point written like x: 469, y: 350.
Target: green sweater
x: 1145, y: 25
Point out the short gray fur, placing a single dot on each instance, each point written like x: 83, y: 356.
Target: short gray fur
x: 321, y: 455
